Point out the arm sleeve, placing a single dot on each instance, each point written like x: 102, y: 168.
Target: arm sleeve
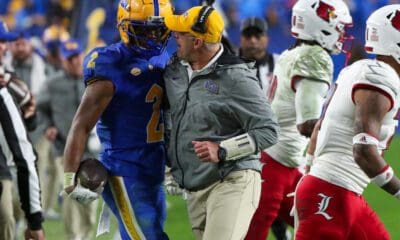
x: 378, y: 77
x: 252, y: 109
x: 24, y: 157
x: 310, y: 96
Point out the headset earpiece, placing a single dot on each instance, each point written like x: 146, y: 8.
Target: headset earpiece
x: 200, y: 24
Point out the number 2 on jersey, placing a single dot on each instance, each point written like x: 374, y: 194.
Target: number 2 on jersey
x: 91, y: 63
x: 155, y: 128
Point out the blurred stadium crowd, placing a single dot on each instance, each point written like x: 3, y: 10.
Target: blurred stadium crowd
x: 33, y: 16
x: 93, y: 22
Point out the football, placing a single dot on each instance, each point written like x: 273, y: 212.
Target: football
x: 92, y: 174
x: 20, y: 91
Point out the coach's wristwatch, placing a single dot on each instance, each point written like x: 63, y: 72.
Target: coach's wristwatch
x: 221, y: 153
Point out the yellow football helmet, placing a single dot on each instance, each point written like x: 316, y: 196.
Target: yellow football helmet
x: 141, y: 25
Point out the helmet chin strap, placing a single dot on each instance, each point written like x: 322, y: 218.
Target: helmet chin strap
x: 347, y: 55
x: 148, y: 53
x: 154, y: 49
x: 347, y: 52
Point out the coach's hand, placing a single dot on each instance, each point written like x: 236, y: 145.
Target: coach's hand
x: 206, y: 151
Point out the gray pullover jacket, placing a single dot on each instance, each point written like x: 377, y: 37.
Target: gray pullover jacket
x: 58, y: 101
x: 220, y: 102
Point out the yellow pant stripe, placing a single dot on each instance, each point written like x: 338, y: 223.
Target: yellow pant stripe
x: 125, y: 209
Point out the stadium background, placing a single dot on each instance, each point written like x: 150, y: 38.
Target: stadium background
x: 94, y: 21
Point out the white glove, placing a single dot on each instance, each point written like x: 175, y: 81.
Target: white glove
x: 83, y: 195
x: 80, y: 194
x: 172, y: 187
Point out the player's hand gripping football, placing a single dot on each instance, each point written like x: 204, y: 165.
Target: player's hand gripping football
x: 81, y: 194
x: 88, y: 183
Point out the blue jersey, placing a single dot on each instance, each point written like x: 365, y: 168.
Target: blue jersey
x: 131, y: 128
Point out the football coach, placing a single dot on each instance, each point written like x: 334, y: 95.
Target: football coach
x: 220, y: 121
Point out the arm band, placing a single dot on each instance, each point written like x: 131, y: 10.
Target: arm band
x: 238, y: 147
x: 384, y: 176
x: 366, y: 139
x: 309, y: 159
x: 69, y: 179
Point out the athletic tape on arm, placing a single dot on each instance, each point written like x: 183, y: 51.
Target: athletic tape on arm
x: 238, y: 147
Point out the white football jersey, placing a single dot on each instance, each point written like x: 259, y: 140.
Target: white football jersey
x: 305, y: 61
x: 334, y: 160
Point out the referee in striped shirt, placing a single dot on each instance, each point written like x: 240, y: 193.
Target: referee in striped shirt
x: 14, y: 144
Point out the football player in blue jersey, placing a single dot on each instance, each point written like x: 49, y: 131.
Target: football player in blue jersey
x: 124, y: 91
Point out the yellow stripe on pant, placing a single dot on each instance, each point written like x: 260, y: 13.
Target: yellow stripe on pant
x: 125, y: 209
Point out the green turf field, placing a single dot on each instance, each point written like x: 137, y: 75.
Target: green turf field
x: 178, y: 228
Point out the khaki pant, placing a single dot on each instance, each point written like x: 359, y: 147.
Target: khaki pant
x: 223, y: 211
x: 79, y: 220
x: 7, y: 222
x: 18, y: 213
x: 50, y: 174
